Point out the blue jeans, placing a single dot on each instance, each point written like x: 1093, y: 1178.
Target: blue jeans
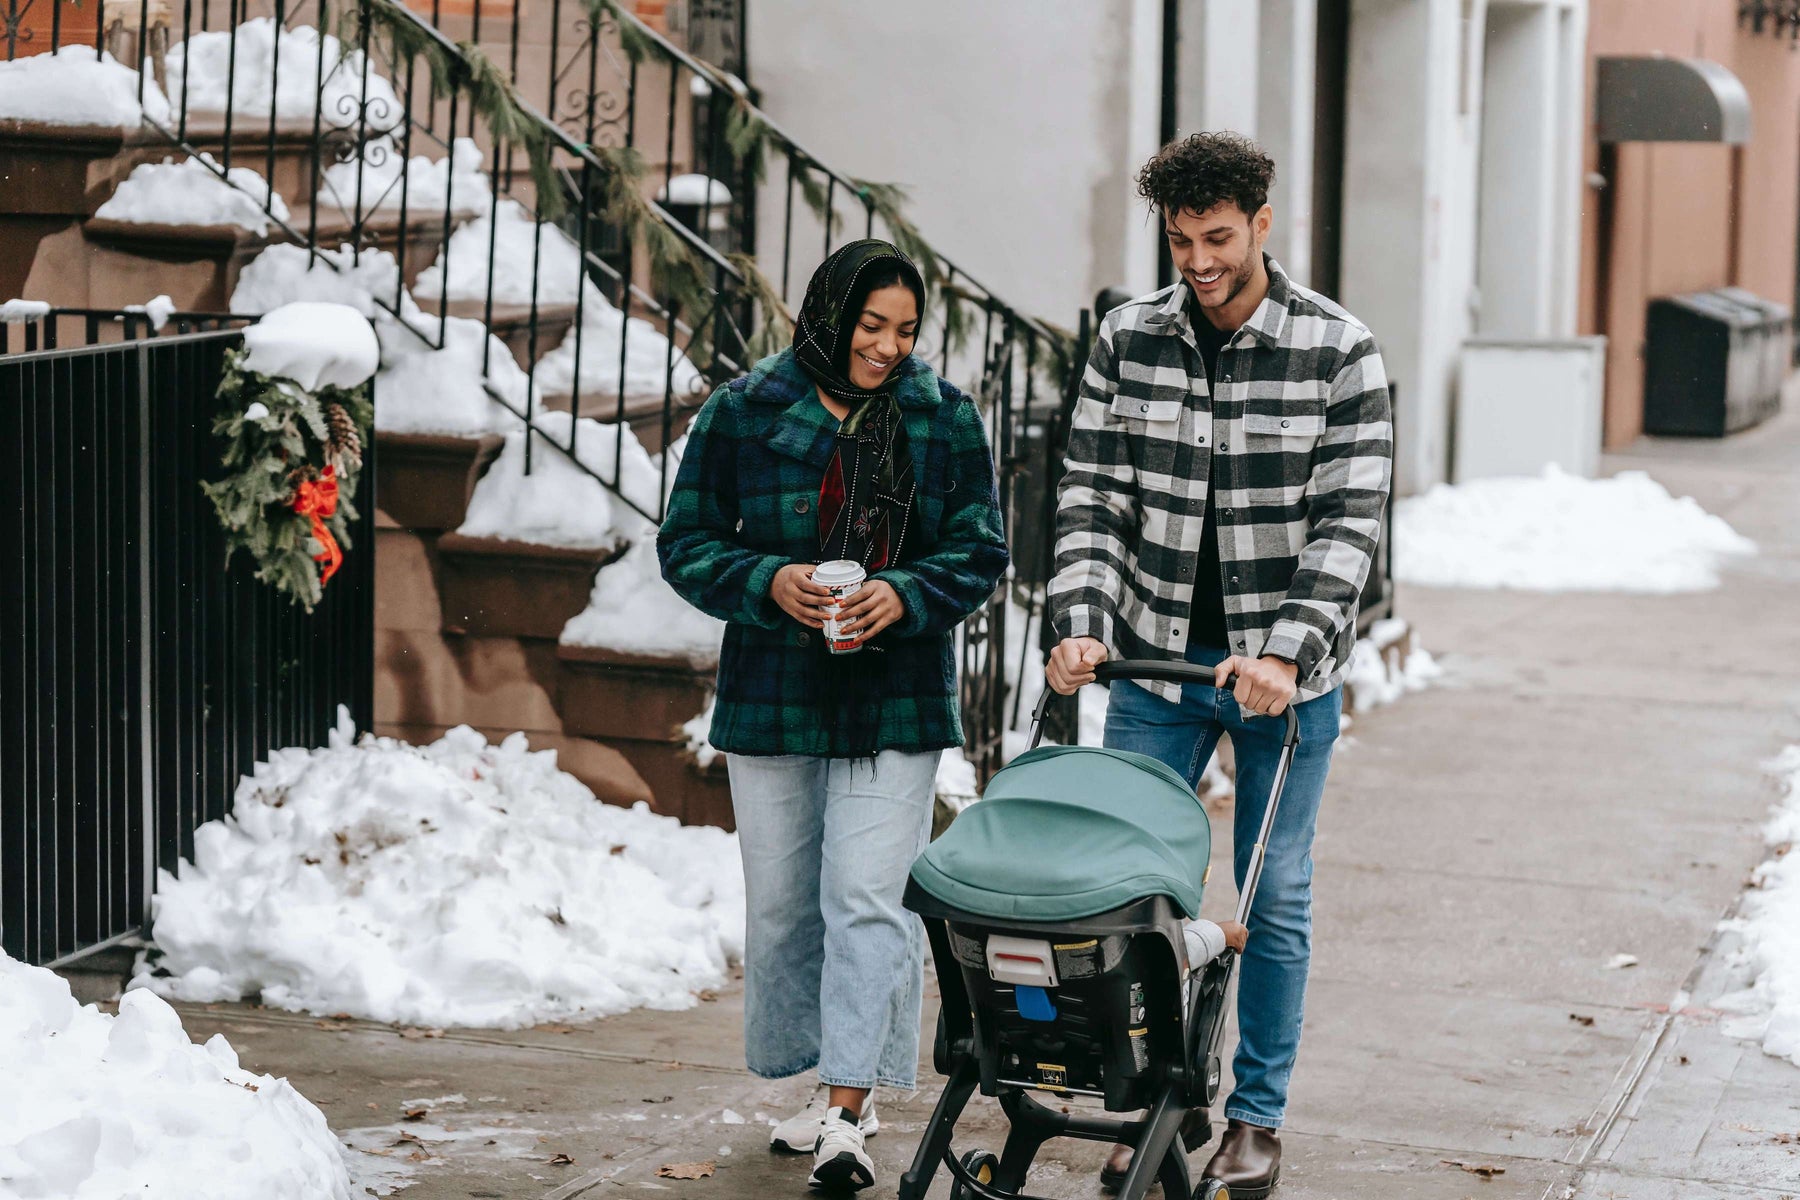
x: 833, y: 965
x: 1272, y: 975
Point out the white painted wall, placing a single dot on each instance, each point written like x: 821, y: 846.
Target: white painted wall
x: 1017, y: 126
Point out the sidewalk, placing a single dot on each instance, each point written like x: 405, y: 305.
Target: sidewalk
x: 1585, y: 781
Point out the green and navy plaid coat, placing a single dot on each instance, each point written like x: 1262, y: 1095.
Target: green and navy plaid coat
x: 745, y: 505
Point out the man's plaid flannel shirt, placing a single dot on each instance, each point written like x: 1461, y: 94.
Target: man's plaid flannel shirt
x: 1297, y: 441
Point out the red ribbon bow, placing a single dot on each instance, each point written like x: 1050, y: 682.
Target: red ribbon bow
x: 317, y: 499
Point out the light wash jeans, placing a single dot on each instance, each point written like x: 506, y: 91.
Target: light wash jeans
x: 1272, y: 975
x: 833, y: 965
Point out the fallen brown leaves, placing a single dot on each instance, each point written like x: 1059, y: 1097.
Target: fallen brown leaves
x: 699, y: 1170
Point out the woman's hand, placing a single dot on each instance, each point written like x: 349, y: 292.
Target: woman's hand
x: 873, y: 607
x: 794, y: 591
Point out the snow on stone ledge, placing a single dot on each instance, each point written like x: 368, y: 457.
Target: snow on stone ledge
x: 190, y: 192
x: 72, y: 87
x: 423, y: 389
x: 255, y: 76
x: 558, y: 503
x: 458, y: 180
x: 284, y: 273
x: 316, y: 345
x: 651, y: 372
x: 633, y: 610
x: 452, y: 884
x: 102, y: 1106
x: 1769, y: 925
x: 557, y: 258
x: 1560, y: 532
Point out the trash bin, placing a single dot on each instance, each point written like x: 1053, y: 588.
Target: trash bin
x: 1714, y: 362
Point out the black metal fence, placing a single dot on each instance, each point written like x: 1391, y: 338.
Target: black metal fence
x: 139, y: 678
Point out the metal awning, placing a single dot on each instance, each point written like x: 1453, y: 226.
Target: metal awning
x: 1657, y: 99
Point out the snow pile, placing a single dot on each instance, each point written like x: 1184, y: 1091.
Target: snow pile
x: 96, y: 1106
x: 1374, y: 681
x: 285, y: 273
x: 1769, y: 924
x: 255, y: 75
x: 557, y: 258
x: 633, y: 611
x: 650, y: 374
x: 458, y: 179
x: 72, y: 87
x: 697, y: 729
x: 192, y: 192
x: 422, y: 389
x: 559, y: 503
x: 1560, y: 532
x: 694, y: 189
x: 16, y: 312
x: 158, y: 310
x: 450, y: 884
x: 314, y: 344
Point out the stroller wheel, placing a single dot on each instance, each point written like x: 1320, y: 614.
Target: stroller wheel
x: 981, y: 1164
x: 1211, y: 1189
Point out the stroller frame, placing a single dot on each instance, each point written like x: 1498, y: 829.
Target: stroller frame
x: 1190, y: 1085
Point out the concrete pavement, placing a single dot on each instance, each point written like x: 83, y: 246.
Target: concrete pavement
x: 1585, y: 781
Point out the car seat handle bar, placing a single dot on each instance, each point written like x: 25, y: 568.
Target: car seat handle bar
x: 1159, y: 671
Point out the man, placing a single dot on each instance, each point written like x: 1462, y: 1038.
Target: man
x: 1228, y: 462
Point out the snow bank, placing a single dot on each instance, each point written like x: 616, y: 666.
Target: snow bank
x: 314, y: 344
x: 648, y: 367
x: 458, y: 178
x: 1769, y: 924
x: 634, y: 611
x: 205, y: 66
x: 285, y: 273
x: 72, y: 87
x: 558, y: 261
x: 559, y: 504
x: 450, y: 884
x: 191, y: 192
x: 1560, y: 532
x: 96, y: 1107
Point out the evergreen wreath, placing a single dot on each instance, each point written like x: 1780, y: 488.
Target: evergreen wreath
x: 292, y: 460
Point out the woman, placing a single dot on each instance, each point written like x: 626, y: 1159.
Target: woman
x: 845, y: 446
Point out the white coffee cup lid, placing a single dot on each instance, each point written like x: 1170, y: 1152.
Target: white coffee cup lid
x: 837, y: 571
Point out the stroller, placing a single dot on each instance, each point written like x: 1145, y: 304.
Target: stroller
x: 1054, y: 909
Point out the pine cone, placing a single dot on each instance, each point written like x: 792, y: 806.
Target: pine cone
x: 345, y: 446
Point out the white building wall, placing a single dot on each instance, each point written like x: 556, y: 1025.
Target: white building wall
x: 1016, y: 125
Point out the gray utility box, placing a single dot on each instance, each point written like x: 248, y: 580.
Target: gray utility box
x: 1714, y: 362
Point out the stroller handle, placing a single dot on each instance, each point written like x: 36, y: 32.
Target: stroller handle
x: 1161, y: 671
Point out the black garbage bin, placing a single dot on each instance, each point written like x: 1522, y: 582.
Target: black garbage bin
x: 1714, y: 362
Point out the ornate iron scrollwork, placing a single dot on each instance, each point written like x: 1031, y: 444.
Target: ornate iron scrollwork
x: 1770, y: 16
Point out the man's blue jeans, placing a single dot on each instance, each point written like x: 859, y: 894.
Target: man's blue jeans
x: 1272, y: 975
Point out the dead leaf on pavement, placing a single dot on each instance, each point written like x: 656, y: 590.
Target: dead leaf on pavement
x: 1485, y: 1170
x: 1581, y: 1020
x: 708, y: 994
x: 699, y: 1170
x: 417, y: 1114
x: 561, y: 1160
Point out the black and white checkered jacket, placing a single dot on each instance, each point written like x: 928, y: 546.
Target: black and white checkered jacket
x: 1298, y: 444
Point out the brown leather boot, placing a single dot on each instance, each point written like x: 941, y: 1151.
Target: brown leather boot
x: 1112, y: 1174
x: 1248, y: 1161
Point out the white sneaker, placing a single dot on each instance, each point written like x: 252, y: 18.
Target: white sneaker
x: 840, y: 1164
x: 799, y: 1134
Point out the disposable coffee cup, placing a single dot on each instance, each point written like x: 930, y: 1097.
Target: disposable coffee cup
x: 844, y: 578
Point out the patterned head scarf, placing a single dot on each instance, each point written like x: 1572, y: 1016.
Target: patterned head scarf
x: 834, y: 301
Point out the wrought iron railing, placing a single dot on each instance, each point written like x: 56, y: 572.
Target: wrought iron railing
x: 139, y: 678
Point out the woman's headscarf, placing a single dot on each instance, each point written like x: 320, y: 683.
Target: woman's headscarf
x: 828, y: 314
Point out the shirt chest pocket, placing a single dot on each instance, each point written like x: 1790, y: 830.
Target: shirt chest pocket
x: 1153, y: 420
x: 1295, y: 430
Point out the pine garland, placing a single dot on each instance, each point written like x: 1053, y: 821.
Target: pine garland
x: 777, y: 328
x: 277, y: 437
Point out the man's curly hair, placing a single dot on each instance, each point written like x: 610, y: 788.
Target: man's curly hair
x: 1207, y: 169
